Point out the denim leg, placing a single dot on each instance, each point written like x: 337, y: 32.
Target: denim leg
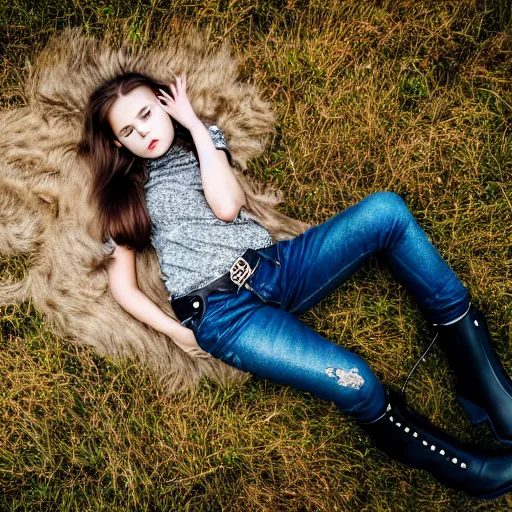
x: 271, y: 343
x: 248, y: 331
x: 317, y: 262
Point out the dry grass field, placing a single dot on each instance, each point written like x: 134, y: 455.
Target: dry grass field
x: 413, y: 97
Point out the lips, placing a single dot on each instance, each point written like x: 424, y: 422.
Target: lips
x: 153, y: 143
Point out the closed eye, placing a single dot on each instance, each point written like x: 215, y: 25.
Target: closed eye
x: 144, y: 116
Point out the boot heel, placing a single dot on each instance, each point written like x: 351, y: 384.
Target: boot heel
x: 475, y: 414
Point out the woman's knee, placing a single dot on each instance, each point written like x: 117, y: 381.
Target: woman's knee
x: 386, y: 207
x: 385, y: 201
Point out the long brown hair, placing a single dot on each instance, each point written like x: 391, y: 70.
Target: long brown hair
x: 118, y: 176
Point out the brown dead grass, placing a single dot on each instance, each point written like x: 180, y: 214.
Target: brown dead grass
x: 413, y: 97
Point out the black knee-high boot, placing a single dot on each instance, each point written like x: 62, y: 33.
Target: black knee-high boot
x: 483, y: 387
x: 410, y: 438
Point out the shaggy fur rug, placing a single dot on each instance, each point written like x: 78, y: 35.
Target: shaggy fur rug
x: 44, y: 184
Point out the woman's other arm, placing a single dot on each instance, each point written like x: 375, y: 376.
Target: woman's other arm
x: 221, y: 188
x: 122, y: 279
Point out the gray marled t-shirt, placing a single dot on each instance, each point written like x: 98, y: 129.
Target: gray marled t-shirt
x: 193, y: 246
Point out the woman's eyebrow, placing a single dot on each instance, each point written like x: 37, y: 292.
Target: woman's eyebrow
x: 140, y: 112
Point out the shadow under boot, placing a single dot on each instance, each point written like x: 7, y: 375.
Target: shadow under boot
x: 484, y: 389
x: 411, y: 439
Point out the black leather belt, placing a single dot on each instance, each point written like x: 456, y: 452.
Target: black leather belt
x: 190, y: 308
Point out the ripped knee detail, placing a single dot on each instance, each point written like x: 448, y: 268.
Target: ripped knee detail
x: 351, y: 379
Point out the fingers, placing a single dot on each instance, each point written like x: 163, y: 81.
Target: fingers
x: 199, y: 354
x: 180, y: 82
x: 195, y: 352
x: 165, y: 97
x: 165, y: 94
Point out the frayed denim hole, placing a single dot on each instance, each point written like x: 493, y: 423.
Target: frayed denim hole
x: 347, y: 379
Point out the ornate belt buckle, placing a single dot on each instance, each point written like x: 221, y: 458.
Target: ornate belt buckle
x: 240, y: 271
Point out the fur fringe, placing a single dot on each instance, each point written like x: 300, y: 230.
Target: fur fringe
x: 44, y: 185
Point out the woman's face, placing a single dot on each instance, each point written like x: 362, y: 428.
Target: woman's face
x: 140, y: 124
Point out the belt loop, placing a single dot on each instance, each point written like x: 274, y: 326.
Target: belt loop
x: 268, y: 257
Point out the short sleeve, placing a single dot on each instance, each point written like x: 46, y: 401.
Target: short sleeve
x: 219, y: 140
x: 110, y: 244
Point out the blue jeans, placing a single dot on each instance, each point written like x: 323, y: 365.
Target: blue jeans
x: 257, y: 330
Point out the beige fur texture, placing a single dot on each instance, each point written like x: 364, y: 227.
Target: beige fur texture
x: 44, y: 213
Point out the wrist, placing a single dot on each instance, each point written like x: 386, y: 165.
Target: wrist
x: 195, y: 125
x: 174, y: 328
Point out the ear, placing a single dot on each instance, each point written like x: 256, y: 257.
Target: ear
x: 117, y: 143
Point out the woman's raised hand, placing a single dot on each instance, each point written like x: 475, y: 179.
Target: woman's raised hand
x: 178, y: 106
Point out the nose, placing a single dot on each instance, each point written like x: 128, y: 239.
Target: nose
x: 143, y: 129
